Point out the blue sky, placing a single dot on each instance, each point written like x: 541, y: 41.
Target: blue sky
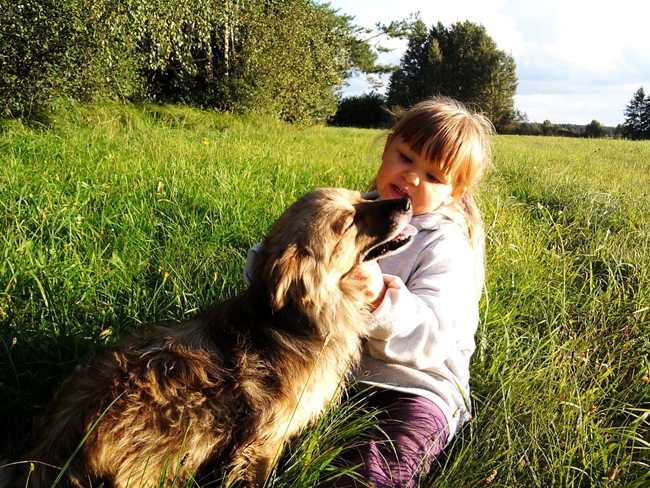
x: 577, y: 60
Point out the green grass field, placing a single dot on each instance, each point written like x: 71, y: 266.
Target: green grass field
x: 118, y: 215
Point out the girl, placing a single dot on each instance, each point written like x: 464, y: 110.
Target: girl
x: 415, y: 366
x: 416, y: 361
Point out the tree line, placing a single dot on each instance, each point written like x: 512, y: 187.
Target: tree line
x: 371, y: 110
x: 463, y: 62
x: 636, y: 125
x: 285, y: 59
x: 460, y: 61
x: 272, y: 57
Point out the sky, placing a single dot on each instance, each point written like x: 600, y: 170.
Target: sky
x: 577, y: 60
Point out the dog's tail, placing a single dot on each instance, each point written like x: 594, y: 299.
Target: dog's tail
x: 58, y: 452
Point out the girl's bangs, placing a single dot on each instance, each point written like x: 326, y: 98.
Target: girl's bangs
x: 448, y: 148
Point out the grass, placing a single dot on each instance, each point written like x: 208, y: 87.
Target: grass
x: 119, y: 215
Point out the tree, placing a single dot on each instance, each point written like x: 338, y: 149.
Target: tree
x: 367, y: 111
x: 619, y: 131
x: 280, y: 58
x: 637, y: 116
x: 71, y: 48
x: 272, y: 57
x: 461, y: 62
x: 548, y: 128
x: 594, y: 130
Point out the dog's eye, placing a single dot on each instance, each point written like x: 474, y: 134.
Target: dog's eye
x: 343, y: 224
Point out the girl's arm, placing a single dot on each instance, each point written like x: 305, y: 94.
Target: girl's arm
x: 422, y: 324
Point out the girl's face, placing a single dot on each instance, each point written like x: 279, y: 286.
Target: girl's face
x: 404, y: 173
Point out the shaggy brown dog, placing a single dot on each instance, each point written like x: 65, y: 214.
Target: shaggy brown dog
x: 218, y: 396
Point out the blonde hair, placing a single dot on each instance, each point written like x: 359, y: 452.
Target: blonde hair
x: 455, y: 139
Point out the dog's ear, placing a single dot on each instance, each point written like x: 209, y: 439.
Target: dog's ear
x: 294, y: 277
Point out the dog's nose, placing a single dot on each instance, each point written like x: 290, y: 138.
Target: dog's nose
x: 405, y: 204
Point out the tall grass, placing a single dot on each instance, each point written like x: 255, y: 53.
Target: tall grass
x: 118, y: 215
x: 560, y: 375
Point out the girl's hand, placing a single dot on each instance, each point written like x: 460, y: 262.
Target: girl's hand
x: 372, y: 278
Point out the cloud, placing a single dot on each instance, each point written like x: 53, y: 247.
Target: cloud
x: 558, y: 108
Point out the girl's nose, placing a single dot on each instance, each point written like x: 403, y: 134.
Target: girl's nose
x: 411, y: 178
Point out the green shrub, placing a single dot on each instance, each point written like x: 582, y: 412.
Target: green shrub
x: 366, y: 111
x: 277, y: 58
x: 53, y: 48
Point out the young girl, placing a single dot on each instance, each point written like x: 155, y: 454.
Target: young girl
x: 415, y: 366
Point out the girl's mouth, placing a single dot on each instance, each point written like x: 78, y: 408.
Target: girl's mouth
x: 400, y: 192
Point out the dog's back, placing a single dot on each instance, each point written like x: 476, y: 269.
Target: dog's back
x: 155, y: 407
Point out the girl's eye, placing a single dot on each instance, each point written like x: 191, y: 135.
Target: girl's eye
x: 405, y: 158
x: 432, y: 178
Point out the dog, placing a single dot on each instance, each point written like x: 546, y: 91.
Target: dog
x: 216, y: 398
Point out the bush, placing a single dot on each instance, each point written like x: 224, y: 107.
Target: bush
x: 53, y: 48
x: 595, y: 130
x: 270, y: 57
x: 366, y: 111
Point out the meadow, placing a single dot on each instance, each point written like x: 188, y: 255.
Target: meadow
x: 114, y: 216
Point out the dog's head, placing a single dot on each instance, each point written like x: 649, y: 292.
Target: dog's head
x: 322, y: 237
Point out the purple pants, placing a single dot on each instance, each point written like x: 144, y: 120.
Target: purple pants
x: 418, y: 432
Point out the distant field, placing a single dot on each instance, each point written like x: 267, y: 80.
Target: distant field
x: 118, y: 215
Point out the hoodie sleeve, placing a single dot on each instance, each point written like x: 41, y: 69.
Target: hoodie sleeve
x: 250, y: 263
x: 434, y: 316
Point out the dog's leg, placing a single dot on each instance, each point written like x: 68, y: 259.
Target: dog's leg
x: 264, y: 457
x: 251, y: 467
x: 261, y: 470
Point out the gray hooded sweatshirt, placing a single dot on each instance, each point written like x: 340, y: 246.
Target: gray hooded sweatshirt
x: 421, y: 336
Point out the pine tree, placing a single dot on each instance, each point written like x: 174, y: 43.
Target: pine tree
x: 637, y: 116
x: 461, y: 62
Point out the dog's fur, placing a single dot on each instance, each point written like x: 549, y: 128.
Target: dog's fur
x: 217, y: 397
